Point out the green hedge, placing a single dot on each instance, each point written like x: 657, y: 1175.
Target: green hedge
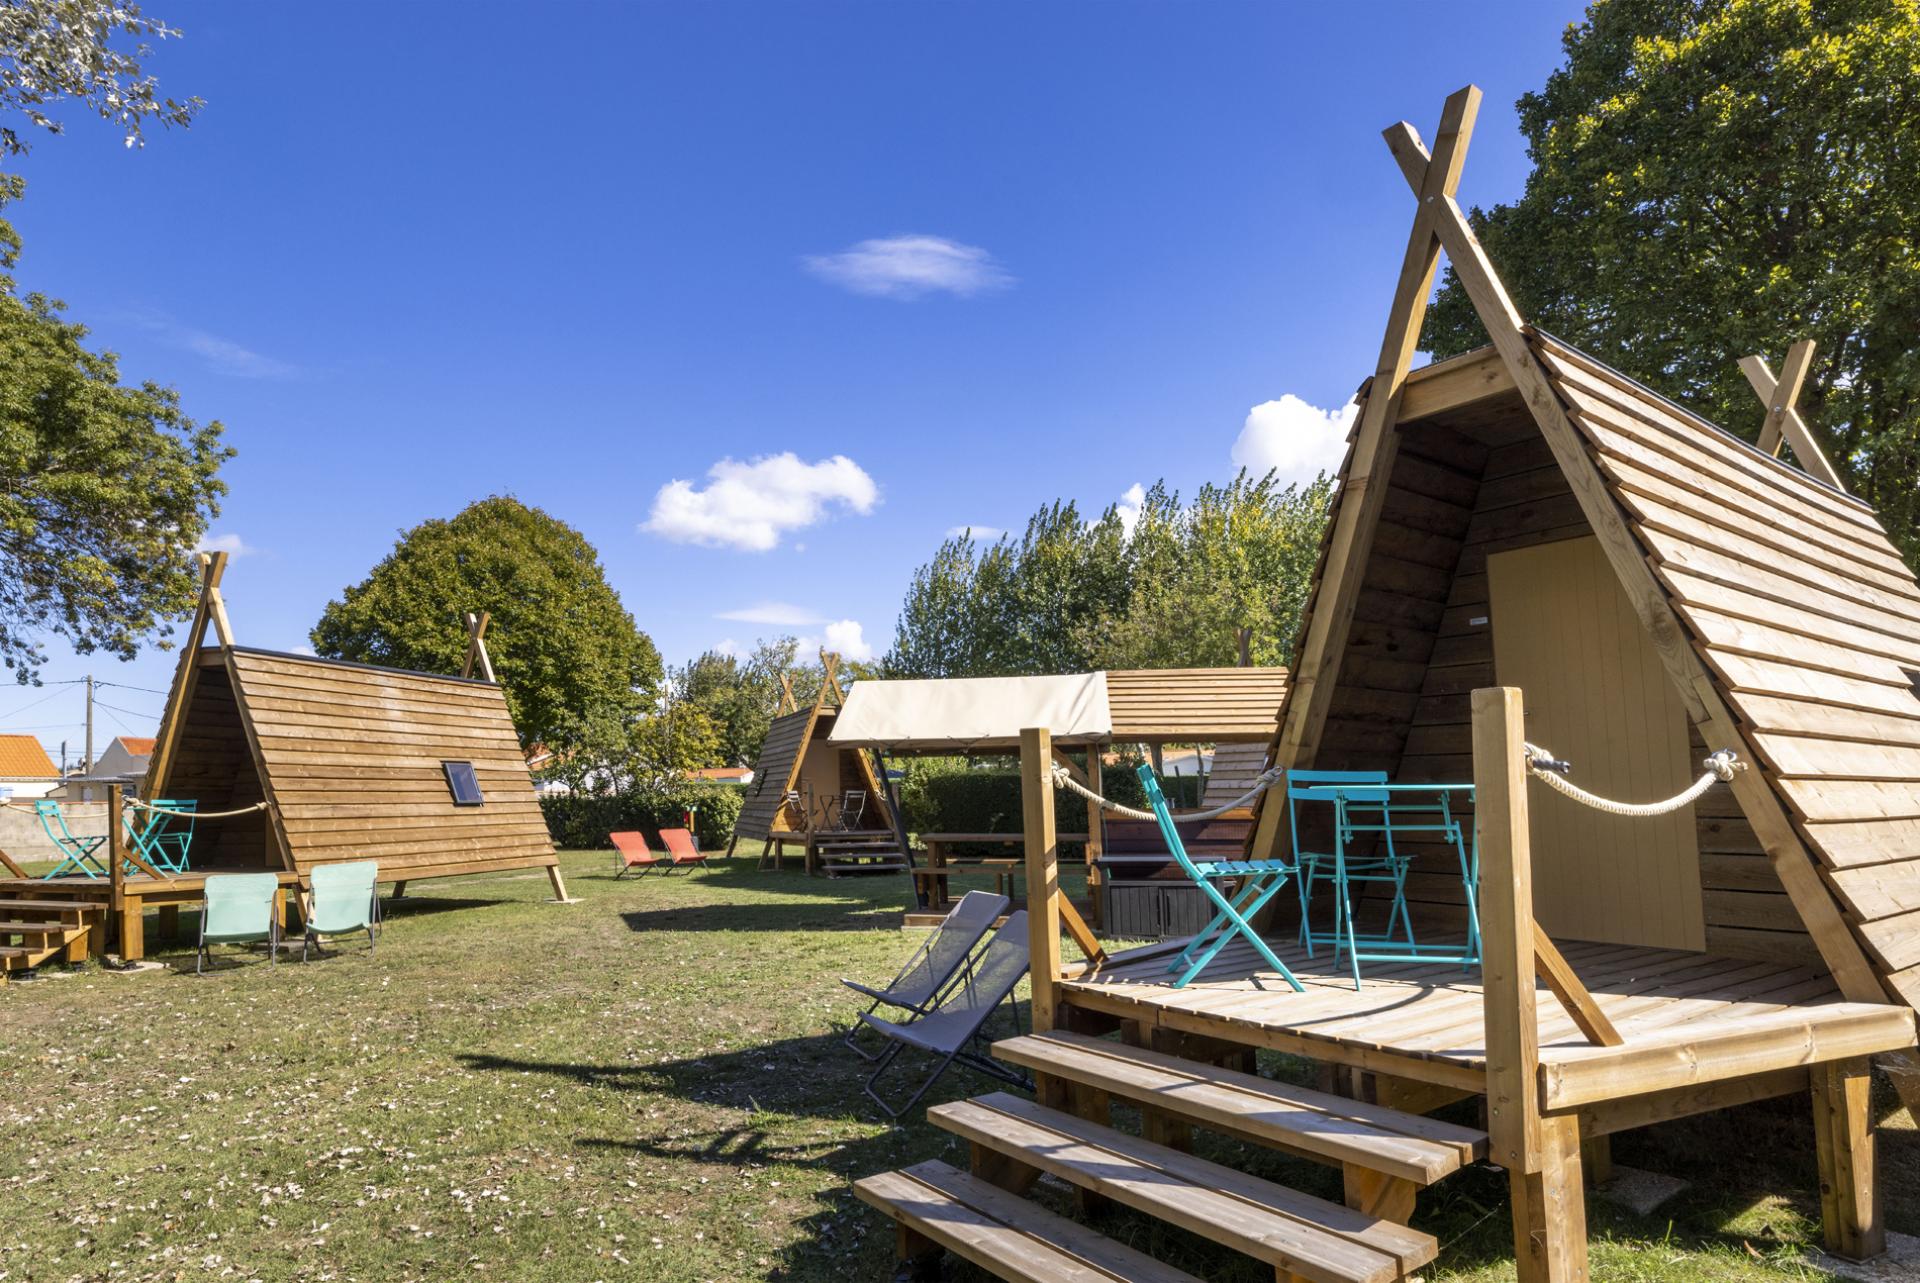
x: 960, y: 799
x: 581, y: 821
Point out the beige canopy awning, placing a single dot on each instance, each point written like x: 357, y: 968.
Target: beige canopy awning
x: 1146, y: 706
x: 957, y: 714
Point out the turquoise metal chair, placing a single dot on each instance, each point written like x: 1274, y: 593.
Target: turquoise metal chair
x: 343, y: 900
x: 76, y: 853
x: 238, y: 909
x: 164, y: 840
x: 1260, y: 881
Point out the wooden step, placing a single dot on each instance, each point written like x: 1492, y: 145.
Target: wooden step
x: 1305, y: 1236
x: 1003, y: 1234
x: 71, y: 910
x: 1299, y: 1120
x: 34, y: 928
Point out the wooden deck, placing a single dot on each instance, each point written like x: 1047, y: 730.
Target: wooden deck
x: 1687, y: 1018
x: 139, y: 893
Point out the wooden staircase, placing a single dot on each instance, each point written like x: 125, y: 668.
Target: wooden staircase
x: 1386, y: 1156
x: 33, y: 932
x: 853, y: 852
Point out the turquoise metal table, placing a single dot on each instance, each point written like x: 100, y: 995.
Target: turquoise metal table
x: 1375, y: 810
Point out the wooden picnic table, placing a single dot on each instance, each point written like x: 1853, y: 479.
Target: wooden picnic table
x: 1005, y: 869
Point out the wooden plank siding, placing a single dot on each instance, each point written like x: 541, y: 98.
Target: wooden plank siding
x: 779, y: 756
x: 1201, y: 705
x: 353, y: 755
x: 1477, y: 480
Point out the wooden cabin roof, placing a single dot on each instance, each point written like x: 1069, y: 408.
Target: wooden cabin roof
x: 1808, y: 619
x: 1802, y: 612
x: 773, y: 773
x: 352, y: 757
x: 1201, y: 705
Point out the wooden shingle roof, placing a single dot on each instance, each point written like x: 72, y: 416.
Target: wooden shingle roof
x: 1806, y: 617
x: 773, y: 772
x: 1202, y: 705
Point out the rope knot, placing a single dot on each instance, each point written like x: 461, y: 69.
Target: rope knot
x: 1723, y: 763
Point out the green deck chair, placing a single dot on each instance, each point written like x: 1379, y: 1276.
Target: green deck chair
x: 343, y: 900
x: 1259, y: 881
x: 238, y: 909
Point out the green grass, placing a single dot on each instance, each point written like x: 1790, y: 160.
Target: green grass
x: 645, y: 1085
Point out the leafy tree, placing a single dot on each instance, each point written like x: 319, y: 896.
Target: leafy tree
x: 578, y: 673
x: 55, y: 50
x: 104, y: 488
x: 1068, y: 596
x: 1241, y: 556
x: 1718, y: 177
x: 739, y: 695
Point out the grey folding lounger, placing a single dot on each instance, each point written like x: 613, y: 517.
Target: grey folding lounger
x: 941, y: 957
x: 949, y: 1029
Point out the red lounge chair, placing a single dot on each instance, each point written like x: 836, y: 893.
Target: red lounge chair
x: 681, y: 846
x: 631, y: 851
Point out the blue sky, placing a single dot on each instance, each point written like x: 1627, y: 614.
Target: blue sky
x: 958, y: 260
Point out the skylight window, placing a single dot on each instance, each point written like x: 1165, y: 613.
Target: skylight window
x: 464, y: 784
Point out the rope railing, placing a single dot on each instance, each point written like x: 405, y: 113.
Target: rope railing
x: 1266, y: 780
x: 1544, y: 766
x: 196, y: 815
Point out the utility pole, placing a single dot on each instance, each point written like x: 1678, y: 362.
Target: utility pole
x: 87, y: 764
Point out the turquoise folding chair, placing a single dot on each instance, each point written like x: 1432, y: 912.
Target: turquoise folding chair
x: 164, y: 839
x: 343, y: 900
x: 76, y: 853
x: 1260, y: 881
x: 238, y: 909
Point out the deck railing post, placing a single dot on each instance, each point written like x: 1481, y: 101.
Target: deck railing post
x: 1043, y: 870
x: 116, y: 876
x: 1541, y: 1155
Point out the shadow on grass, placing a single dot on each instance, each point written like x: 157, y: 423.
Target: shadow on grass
x: 802, y: 1107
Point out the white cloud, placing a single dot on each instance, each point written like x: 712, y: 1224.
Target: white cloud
x: 750, y: 505
x: 778, y: 613
x: 725, y: 646
x: 906, y: 267
x: 301, y: 650
x: 848, y: 639
x: 221, y: 355
x: 1297, y: 440
x: 231, y: 544
x: 1128, y: 507
x: 981, y: 534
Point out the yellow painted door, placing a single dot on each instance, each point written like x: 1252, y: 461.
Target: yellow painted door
x: 1596, y: 695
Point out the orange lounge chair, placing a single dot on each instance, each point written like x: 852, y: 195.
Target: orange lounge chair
x: 630, y: 849
x: 681, y: 846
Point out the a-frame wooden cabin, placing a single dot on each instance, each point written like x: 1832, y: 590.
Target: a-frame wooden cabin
x: 352, y: 761
x: 1526, y: 546
x: 800, y: 785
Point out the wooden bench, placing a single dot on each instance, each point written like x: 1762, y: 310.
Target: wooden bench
x: 937, y: 1206
x: 1300, y: 1236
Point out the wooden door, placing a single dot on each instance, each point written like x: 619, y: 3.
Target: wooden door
x: 1597, y: 696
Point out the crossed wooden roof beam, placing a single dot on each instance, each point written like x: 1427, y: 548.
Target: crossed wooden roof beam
x: 1783, y: 425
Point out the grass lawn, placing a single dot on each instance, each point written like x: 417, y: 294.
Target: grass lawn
x: 644, y: 1085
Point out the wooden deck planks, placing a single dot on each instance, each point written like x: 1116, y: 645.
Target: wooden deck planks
x: 1659, y: 999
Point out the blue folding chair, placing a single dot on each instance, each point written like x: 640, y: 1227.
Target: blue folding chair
x: 1260, y: 881
x: 164, y: 839
x: 76, y: 853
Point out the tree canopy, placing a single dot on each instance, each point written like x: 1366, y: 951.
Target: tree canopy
x: 1714, y: 178
x: 105, y: 488
x: 578, y: 672
x: 1169, y: 586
